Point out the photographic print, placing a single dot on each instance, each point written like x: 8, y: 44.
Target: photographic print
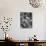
x: 26, y: 19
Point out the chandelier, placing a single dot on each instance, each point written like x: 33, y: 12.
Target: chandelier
x: 36, y: 3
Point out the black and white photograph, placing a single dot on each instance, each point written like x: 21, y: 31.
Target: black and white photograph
x: 26, y: 19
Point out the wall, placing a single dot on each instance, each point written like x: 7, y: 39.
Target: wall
x: 12, y: 8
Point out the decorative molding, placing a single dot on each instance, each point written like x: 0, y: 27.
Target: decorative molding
x: 36, y: 3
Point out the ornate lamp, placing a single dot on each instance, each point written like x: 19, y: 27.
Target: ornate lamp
x: 6, y: 25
